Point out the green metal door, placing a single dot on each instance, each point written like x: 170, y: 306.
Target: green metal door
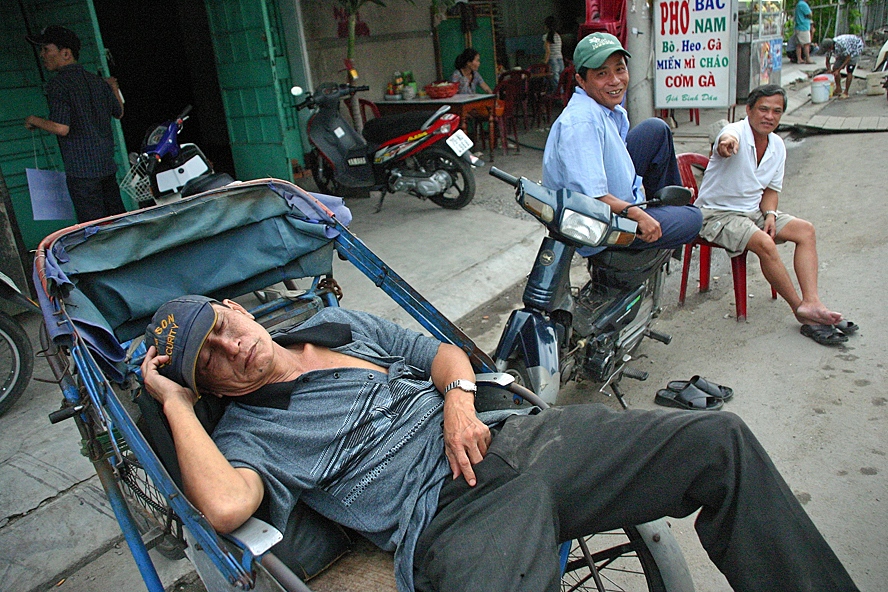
x: 254, y: 76
x: 22, y: 82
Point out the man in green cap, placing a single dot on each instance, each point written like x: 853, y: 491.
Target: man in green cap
x: 590, y: 149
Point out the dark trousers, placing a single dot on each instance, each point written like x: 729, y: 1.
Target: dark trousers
x: 95, y: 198
x: 653, y: 153
x: 576, y: 470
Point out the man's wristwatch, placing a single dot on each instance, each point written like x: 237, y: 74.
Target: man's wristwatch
x: 461, y: 384
x: 769, y: 212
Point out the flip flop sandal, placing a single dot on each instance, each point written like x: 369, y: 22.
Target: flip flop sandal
x: 710, y: 388
x: 847, y: 327
x: 824, y: 334
x: 690, y: 398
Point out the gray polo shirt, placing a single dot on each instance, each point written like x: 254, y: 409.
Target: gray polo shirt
x: 365, y: 449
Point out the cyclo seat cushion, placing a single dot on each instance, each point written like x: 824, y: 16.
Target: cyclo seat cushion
x: 311, y: 541
x: 383, y: 129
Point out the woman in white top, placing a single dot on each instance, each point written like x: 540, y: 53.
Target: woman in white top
x: 553, y: 57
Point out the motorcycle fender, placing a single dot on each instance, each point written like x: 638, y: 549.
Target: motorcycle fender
x: 534, y: 340
x: 658, y: 538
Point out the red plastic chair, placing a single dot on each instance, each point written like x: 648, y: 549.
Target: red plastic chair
x: 365, y: 106
x: 514, y: 87
x: 566, y: 84
x: 605, y: 16
x: 503, y: 120
x: 686, y: 164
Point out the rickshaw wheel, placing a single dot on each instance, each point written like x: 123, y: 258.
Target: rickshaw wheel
x: 150, y: 511
x: 622, y: 560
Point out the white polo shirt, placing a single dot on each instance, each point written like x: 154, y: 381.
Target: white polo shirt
x: 737, y: 182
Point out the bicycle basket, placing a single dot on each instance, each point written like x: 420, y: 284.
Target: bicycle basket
x: 136, y: 183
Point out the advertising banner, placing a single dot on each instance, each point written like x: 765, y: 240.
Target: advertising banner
x: 695, y: 52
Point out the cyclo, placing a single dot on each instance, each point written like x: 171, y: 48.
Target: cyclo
x: 100, y: 282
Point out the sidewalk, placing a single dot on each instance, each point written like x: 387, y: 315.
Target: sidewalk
x: 56, y: 522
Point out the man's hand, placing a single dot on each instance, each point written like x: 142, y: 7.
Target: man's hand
x: 727, y: 146
x: 160, y: 387
x: 771, y: 226
x: 32, y: 122
x: 466, y: 438
x: 648, y: 229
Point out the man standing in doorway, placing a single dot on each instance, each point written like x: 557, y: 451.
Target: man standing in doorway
x: 803, y: 32
x: 81, y: 106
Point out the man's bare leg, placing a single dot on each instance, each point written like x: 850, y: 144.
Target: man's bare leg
x: 808, y: 308
x: 799, y: 54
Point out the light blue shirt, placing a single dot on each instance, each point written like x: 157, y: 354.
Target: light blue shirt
x: 586, y: 152
x: 802, y: 16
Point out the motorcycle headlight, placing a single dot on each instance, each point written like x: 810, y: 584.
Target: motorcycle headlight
x: 584, y: 229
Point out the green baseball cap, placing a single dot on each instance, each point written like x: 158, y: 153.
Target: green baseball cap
x: 593, y: 50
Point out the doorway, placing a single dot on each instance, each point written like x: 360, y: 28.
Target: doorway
x: 161, y: 54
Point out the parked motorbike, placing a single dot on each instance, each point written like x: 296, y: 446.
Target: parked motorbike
x: 165, y: 171
x: 422, y: 153
x: 565, y: 333
x: 16, y: 353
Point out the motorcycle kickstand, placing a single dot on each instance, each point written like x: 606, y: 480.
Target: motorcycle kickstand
x: 381, y: 199
x: 615, y: 386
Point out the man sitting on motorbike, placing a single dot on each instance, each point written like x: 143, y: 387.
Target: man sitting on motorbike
x: 590, y: 149
x: 374, y: 426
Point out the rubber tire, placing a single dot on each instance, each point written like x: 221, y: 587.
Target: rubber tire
x: 439, y: 158
x: 14, y: 337
x: 645, y: 572
x: 320, y: 171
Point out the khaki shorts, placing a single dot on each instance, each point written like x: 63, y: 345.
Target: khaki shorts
x: 804, y: 37
x: 732, y: 230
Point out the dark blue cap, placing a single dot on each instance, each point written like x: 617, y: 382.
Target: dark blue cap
x: 179, y: 329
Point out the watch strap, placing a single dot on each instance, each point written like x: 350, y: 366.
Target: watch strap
x: 461, y: 384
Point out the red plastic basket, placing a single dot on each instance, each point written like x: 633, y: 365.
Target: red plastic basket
x: 441, y: 91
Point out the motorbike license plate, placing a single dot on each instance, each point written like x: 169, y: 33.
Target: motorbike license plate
x: 460, y: 142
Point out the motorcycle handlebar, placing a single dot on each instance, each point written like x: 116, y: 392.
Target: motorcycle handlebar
x: 504, y: 176
x: 184, y: 112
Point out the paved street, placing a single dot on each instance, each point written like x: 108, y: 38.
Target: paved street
x: 820, y: 412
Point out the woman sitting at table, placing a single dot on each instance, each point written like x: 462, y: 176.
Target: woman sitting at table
x: 466, y: 73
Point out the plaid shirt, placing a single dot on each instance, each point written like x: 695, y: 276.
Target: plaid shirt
x: 847, y: 45
x: 85, y: 103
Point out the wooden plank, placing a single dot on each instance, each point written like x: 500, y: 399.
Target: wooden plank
x: 851, y: 123
x: 883, y: 123
x: 869, y: 123
x: 834, y: 123
x: 818, y: 121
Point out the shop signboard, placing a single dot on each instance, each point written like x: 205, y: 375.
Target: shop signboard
x: 695, y: 49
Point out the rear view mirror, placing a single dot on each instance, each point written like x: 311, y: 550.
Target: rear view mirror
x: 673, y: 195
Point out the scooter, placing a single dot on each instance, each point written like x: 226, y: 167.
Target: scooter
x: 567, y: 333
x: 16, y: 353
x: 165, y: 171
x: 424, y: 154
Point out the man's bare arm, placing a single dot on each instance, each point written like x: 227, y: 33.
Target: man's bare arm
x: 35, y: 122
x: 226, y: 495
x: 466, y: 438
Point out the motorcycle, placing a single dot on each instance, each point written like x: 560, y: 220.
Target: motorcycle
x: 16, y: 353
x: 395, y: 153
x: 165, y: 171
x: 566, y: 333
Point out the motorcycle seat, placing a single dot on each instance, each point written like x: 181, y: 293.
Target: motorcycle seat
x: 383, y: 129
x: 625, y: 259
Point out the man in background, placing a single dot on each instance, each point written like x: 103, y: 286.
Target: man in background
x: 846, y: 49
x: 81, y: 106
x: 803, y: 32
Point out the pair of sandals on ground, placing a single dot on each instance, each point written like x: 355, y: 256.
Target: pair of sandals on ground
x: 696, y: 394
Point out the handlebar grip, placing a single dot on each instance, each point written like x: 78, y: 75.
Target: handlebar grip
x: 504, y: 176
x: 64, y: 413
x: 184, y: 112
x: 360, y: 88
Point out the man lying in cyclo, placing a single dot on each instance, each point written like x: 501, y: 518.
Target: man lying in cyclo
x: 374, y: 426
